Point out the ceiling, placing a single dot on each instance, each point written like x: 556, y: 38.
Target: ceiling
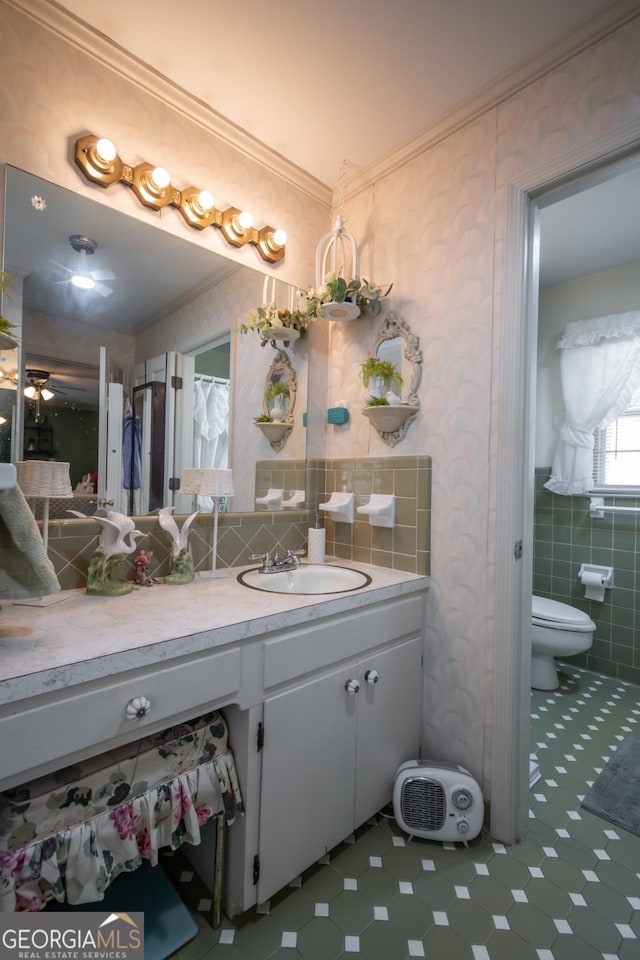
x: 324, y: 83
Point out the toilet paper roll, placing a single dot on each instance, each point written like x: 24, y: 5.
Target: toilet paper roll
x: 593, y: 585
x: 316, y: 544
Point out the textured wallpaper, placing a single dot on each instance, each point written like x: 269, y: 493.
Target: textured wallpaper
x: 435, y: 227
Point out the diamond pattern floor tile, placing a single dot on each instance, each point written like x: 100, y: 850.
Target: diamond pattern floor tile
x: 569, y: 891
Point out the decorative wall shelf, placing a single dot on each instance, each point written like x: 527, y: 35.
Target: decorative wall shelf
x: 276, y: 432
x: 392, y: 418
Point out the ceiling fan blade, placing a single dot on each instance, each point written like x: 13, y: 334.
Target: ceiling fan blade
x: 102, y: 274
x: 56, y: 282
x: 103, y: 289
x: 62, y: 266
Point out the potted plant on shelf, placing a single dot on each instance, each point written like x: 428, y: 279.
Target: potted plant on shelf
x: 278, y: 392
x: 342, y: 300
x: 380, y: 377
x: 273, y: 324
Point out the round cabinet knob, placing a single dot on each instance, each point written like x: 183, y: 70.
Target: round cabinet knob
x: 372, y: 676
x: 352, y: 686
x: 463, y: 825
x: 462, y: 798
x: 138, y: 708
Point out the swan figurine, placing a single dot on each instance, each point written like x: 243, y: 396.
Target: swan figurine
x: 181, y: 561
x: 117, y: 540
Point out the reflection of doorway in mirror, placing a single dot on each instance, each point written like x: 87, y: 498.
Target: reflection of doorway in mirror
x: 211, y: 409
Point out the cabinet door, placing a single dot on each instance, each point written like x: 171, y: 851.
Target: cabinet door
x: 388, y: 723
x: 308, y: 777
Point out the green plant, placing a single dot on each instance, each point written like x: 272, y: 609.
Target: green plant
x: 5, y: 285
x: 262, y: 319
x: 373, y: 367
x: 366, y: 295
x: 263, y: 418
x: 278, y: 389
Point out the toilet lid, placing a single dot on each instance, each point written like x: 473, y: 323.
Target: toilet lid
x: 552, y: 612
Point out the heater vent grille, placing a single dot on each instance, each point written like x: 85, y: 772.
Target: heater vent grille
x: 423, y: 803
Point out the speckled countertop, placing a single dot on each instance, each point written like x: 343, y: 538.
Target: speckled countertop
x: 83, y: 638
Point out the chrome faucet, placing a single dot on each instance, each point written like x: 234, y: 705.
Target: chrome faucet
x: 275, y: 563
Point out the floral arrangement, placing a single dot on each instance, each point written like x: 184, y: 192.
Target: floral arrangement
x: 365, y: 295
x: 264, y: 319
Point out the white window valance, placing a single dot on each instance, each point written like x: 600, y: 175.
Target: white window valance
x: 600, y: 372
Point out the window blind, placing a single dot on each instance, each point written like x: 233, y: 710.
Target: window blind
x: 616, y: 452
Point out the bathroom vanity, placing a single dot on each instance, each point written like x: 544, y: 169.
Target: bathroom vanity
x: 322, y: 694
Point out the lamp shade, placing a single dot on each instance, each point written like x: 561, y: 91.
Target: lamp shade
x: 44, y: 478
x: 207, y: 482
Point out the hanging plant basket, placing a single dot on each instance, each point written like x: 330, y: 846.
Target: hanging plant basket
x: 335, y: 310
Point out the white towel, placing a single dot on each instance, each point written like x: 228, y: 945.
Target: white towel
x: 25, y: 569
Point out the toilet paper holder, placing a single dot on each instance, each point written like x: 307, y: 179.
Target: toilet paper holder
x: 596, y: 579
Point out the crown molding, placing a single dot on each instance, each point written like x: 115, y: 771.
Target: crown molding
x: 496, y: 92
x: 63, y: 24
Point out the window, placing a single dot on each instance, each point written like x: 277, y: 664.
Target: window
x: 616, y: 452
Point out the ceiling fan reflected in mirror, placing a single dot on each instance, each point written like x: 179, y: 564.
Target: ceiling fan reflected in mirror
x: 80, y: 277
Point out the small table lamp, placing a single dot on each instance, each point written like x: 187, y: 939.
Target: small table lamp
x: 46, y: 479
x: 209, y: 482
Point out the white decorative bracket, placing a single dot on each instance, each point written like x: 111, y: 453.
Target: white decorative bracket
x: 295, y: 501
x: 340, y: 507
x: 272, y: 499
x: 381, y: 510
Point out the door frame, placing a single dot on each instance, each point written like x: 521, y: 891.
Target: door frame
x: 513, y: 439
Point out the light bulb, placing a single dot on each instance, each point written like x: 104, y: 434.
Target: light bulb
x: 245, y: 219
x: 30, y: 392
x: 280, y: 238
x: 82, y: 281
x: 205, y: 200
x: 160, y: 178
x: 106, y: 150
x: 3, y: 420
x: 46, y: 394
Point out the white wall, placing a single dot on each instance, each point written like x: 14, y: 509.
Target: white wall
x: 595, y: 295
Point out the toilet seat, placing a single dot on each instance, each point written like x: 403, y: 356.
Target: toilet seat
x: 559, y: 616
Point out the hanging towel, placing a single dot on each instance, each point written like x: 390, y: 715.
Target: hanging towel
x: 131, y: 450
x: 25, y: 569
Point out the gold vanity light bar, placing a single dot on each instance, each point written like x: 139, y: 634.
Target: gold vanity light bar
x: 98, y: 159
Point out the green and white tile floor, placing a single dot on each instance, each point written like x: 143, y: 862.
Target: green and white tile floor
x: 569, y: 891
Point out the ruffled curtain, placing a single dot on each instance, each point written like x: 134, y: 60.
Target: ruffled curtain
x: 600, y: 372
x: 77, y: 865
x: 69, y: 834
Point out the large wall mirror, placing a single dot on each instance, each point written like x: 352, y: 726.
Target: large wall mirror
x: 106, y: 306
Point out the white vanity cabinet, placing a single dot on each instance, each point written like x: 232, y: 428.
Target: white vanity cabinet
x: 332, y: 745
x: 274, y: 663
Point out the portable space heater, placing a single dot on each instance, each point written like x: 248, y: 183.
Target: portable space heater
x: 437, y: 801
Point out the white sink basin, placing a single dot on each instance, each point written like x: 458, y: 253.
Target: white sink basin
x: 309, y: 578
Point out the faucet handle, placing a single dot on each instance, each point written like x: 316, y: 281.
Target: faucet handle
x: 266, y: 557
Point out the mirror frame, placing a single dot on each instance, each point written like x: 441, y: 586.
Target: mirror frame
x: 281, y: 361
x: 392, y: 422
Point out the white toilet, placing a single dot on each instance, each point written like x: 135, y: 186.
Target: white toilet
x: 557, y: 630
